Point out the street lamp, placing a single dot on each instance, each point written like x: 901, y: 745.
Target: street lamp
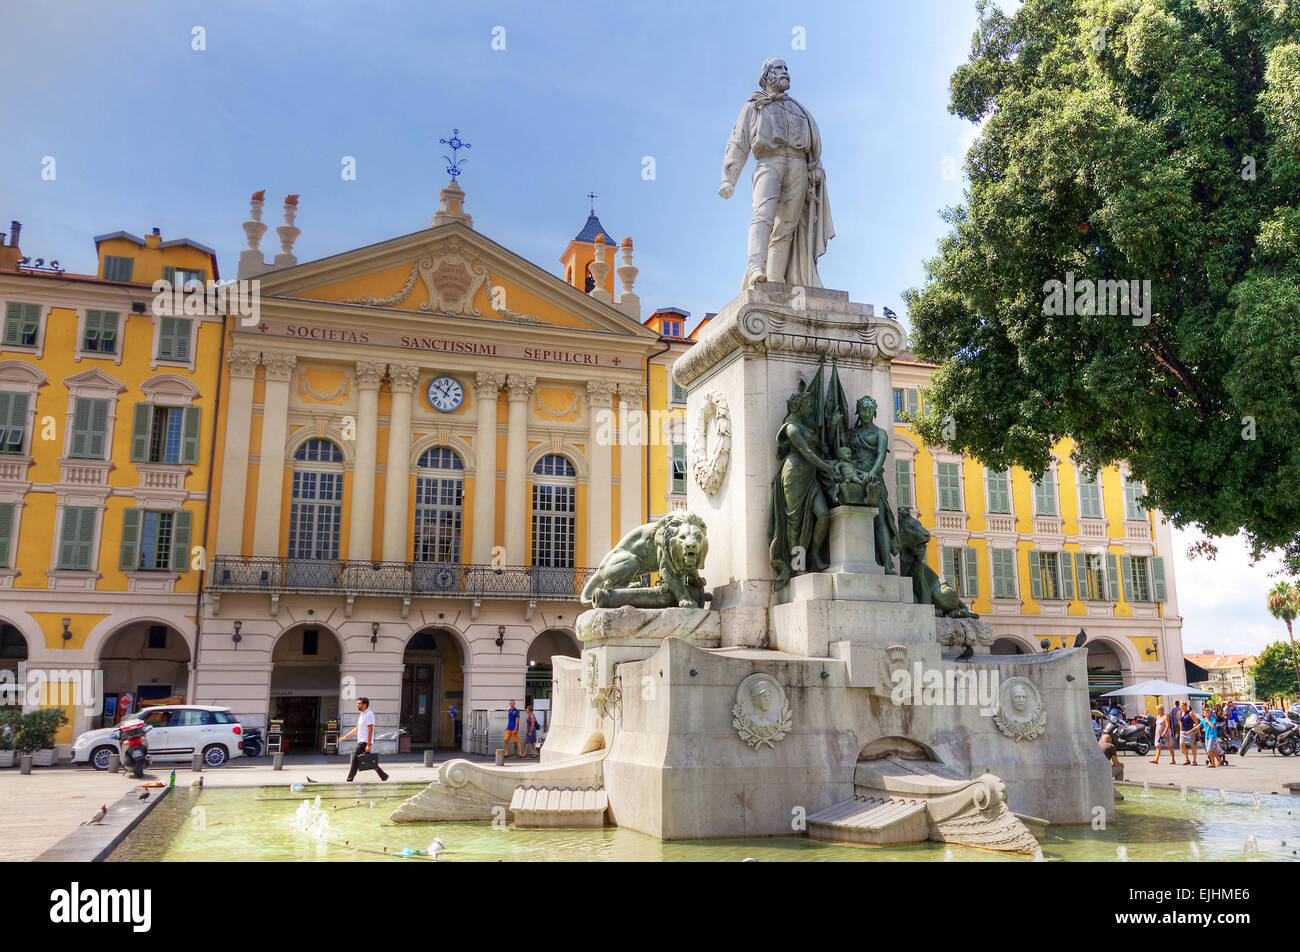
x: 67, y: 635
x: 237, y: 637
x: 374, y: 634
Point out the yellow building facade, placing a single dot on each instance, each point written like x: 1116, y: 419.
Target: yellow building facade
x: 1045, y: 559
x: 107, y: 415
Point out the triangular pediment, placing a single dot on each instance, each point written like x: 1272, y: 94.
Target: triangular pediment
x: 450, y: 270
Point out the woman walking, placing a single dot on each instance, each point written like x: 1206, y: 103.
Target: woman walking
x: 530, y: 733
x: 1164, y: 736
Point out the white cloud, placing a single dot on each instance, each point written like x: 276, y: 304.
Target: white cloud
x: 1224, y: 602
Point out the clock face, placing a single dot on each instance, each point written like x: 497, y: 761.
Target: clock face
x: 445, y: 394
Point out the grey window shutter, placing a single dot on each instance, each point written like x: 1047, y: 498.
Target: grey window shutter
x: 913, y: 400
x: 68, y: 539
x: 6, y: 534
x: 903, y: 483
x: 190, y: 435
x: 140, y: 432
x: 169, y: 275
x: 130, y: 554
x: 98, y: 429
x: 1126, y: 575
x: 1112, y: 577
x: 1035, y: 575
x: 78, y: 444
x: 1158, y: 571
x: 972, y: 574
x: 1067, y: 574
x: 181, y: 540
x: 1081, y: 573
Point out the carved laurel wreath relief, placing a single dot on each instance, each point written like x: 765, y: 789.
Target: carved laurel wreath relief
x: 709, y: 466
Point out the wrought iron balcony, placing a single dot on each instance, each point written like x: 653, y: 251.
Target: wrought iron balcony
x: 275, y: 575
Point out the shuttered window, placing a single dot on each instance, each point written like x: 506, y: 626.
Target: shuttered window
x: 1158, y: 577
x: 1091, y: 571
x: 117, y: 268
x: 89, y: 428
x: 13, y: 421
x: 999, y: 491
x: 961, y: 570
x: 6, y: 535
x: 903, y: 494
x: 76, y: 539
x: 174, y: 338
x: 184, y: 277
x: 1089, y: 497
x: 679, y: 393
x: 906, y: 400
x: 1112, y: 577
x: 1137, y: 579
x: 949, y: 475
x: 679, y: 467
x: 1045, y: 495
x: 22, y: 322
x: 1004, y: 572
x: 1067, y: 575
x: 1045, y: 574
x: 155, y: 541
x: 1133, y: 491
x: 100, y: 335
x: 165, y: 434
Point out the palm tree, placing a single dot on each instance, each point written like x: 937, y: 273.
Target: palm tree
x: 1284, y: 603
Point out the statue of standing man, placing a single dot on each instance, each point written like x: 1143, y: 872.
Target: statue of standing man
x: 792, y: 216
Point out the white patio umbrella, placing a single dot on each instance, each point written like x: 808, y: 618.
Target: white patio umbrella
x: 1157, y: 688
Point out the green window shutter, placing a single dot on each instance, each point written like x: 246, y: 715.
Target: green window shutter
x: 999, y: 496
x: 76, y: 539
x: 1035, y: 575
x: 1112, y: 577
x: 169, y: 274
x: 1158, y: 573
x: 21, y: 323
x: 174, y: 338
x: 948, y: 557
x: 1126, y: 575
x: 140, y: 432
x: 913, y: 400
x: 1001, y: 561
x: 1045, y: 495
x: 1067, y: 575
x: 98, y: 429
x: 972, y: 589
x: 101, y: 332
x: 181, y: 540
x: 130, y: 554
x: 903, y: 483
x: 1081, y: 573
x: 6, y: 534
x: 1133, y: 490
x: 950, y: 486
x: 190, y: 434
x: 77, y: 445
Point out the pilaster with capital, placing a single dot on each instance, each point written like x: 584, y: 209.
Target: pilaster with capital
x: 397, y: 490
x: 631, y: 461
x: 487, y: 388
x: 601, y: 427
x: 369, y: 375
x: 270, y: 470
x: 234, y: 463
x: 518, y: 389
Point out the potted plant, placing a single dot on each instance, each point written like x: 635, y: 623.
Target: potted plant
x: 9, y: 721
x: 36, y: 734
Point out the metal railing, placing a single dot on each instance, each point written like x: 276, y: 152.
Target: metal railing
x: 276, y: 575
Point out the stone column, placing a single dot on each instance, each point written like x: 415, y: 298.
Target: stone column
x: 631, y: 513
x: 234, y: 464
x: 361, y: 525
x: 600, y: 489
x: 396, y: 495
x: 518, y: 388
x: 486, y: 389
x: 270, y: 470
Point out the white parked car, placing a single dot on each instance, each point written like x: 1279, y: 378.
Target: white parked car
x: 176, y: 732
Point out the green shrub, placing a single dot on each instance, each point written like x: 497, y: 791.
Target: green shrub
x: 36, y: 729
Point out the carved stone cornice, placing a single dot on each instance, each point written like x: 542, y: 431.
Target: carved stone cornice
x: 487, y: 384
x: 520, y: 386
x: 403, y: 377
x: 370, y: 373
x: 632, y: 396
x: 279, y: 365
x: 600, y: 393
x: 243, y: 363
x: 775, y: 318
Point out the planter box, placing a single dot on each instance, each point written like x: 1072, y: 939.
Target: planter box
x: 43, y: 758
x: 6, y: 758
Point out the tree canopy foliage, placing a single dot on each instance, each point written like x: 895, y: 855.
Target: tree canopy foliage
x: 1137, y: 141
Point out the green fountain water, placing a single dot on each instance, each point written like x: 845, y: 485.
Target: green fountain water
x: 258, y: 825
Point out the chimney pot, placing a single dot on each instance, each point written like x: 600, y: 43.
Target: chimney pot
x: 15, y: 228
x: 157, y: 231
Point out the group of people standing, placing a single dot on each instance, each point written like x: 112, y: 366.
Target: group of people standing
x: 1189, y: 731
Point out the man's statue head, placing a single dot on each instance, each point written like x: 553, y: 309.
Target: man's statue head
x: 1019, y: 698
x: 775, y: 77
x: 761, y: 693
x: 866, y: 410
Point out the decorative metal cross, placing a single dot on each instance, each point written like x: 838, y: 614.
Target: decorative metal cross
x: 592, y: 196
x: 454, y: 162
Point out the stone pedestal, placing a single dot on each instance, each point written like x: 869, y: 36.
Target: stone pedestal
x: 853, y: 540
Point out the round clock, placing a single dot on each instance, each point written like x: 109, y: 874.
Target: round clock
x: 445, y: 394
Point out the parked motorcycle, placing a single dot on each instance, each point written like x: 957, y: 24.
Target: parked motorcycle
x: 134, y: 747
x: 1268, y: 734
x: 253, y: 743
x: 1136, y: 736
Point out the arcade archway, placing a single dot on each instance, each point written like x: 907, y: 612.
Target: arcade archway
x: 551, y: 642
x: 1108, y: 668
x: 13, y: 652
x: 305, y: 665
x: 433, y: 689
x: 145, y: 663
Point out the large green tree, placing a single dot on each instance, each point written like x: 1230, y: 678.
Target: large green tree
x: 1284, y: 603
x: 1274, y: 672
x: 1134, y: 140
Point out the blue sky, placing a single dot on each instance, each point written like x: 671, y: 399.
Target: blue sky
x: 146, y: 131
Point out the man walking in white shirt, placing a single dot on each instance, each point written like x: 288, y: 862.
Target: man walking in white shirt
x: 365, y: 734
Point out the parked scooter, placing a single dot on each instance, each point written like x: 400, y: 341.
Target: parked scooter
x: 134, y: 747
x: 1136, y: 737
x: 1267, y: 734
x: 253, y: 743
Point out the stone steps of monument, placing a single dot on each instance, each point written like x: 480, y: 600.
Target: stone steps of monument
x: 558, y: 808
x: 871, y: 820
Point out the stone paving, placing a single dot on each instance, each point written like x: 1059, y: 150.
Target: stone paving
x: 1265, y: 773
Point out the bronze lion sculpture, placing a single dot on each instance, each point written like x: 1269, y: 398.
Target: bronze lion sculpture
x: 675, y: 547
x: 927, y: 587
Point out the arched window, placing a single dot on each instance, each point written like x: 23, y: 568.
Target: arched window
x: 438, y: 504
x: 316, y: 512
x: 555, y: 507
